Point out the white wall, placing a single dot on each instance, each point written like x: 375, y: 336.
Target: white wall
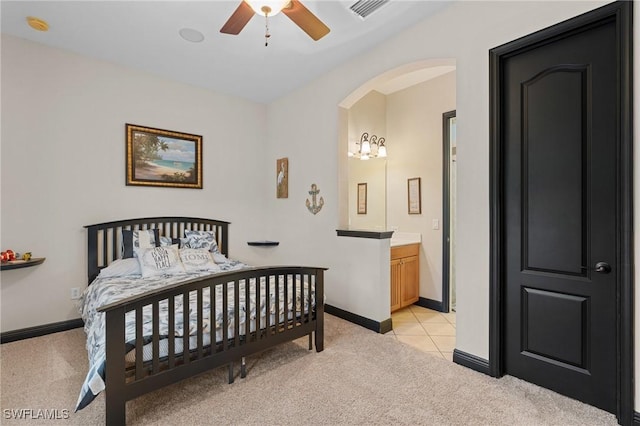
x: 63, y: 152
x: 465, y: 31
x: 414, y: 124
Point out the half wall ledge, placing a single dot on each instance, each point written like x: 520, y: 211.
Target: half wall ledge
x: 376, y: 235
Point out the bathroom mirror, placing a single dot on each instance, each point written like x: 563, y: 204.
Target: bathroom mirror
x: 367, y: 178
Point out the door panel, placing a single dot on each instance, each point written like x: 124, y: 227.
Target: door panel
x: 396, y: 289
x: 410, y: 280
x: 559, y: 114
x: 554, y: 106
x: 566, y: 315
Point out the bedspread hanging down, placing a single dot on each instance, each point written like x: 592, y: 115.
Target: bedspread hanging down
x: 104, y: 291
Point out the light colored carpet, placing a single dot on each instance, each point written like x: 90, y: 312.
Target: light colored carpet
x: 360, y: 378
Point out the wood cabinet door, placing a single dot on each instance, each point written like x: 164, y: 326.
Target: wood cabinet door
x: 411, y: 280
x: 396, y: 286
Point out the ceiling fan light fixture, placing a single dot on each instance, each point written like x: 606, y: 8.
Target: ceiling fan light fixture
x: 267, y: 7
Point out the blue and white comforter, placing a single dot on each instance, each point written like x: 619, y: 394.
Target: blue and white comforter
x: 104, y: 291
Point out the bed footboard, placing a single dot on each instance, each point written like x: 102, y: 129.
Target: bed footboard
x: 288, y: 305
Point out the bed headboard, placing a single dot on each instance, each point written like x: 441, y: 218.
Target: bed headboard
x: 105, y: 239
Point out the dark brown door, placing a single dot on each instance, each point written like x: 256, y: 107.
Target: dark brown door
x: 560, y: 102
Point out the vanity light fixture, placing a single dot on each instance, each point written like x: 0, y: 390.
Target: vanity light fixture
x: 370, y: 147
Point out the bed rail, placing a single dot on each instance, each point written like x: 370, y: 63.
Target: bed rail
x: 240, y: 334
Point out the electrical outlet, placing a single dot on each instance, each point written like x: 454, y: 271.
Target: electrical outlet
x: 75, y: 293
x: 435, y: 224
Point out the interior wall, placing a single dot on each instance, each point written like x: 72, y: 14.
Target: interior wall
x: 461, y: 35
x: 414, y: 124
x: 63, y: 167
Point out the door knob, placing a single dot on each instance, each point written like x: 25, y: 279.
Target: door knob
x: 602, y: 267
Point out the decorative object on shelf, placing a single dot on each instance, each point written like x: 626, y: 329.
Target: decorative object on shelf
x: 282, y: 178
x: 362, y: 198
x: 11, y: 256
x: 166, y: 158
x: 315, y: 205
x: 370, y: 147
x: 8, y: 255
x: 414, y: 196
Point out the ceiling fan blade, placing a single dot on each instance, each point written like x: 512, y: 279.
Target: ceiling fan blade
x: 238, y: 20
x: 306, y: 20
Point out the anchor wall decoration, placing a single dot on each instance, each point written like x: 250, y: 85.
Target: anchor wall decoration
x: 315, y: 206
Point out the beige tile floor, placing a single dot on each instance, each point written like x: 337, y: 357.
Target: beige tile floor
x: 430, y: 331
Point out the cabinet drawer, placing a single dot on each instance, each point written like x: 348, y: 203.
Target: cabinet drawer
x: 399, y: 252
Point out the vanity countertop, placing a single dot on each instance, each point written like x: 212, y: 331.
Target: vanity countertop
x: 405, y: 238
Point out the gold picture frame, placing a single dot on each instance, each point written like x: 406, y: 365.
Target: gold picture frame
x: 414, y: 196
x: 282, y: 178
x: 362, y: 198
x: 156, y: 157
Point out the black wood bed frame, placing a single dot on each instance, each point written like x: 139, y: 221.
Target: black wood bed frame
x: 125, y: 382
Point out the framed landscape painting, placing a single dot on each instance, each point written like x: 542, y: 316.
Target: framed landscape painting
x: 158, y: 157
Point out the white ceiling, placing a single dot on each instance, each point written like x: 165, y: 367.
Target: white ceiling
x: 144, y: 35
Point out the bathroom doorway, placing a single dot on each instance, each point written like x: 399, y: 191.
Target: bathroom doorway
x: 448, y: 210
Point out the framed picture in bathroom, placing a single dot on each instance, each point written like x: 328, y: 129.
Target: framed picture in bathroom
x: 362, y: 198
x: 415, y: 202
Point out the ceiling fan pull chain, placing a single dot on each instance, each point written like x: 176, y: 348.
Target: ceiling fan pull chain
x: 266, y: 30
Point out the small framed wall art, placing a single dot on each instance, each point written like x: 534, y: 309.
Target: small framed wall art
x: 414, y: 196
x: 282, y: 178
x: 362, y: 198
x: 158, y: 157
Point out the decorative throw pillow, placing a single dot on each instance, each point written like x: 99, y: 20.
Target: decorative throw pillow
x: 201, y: 240
x: 197, y: 260
x: 219, y: 257
x: 159, y: 261
x: 168, y: 241
x: 121, y: 268
x: 132, y: 240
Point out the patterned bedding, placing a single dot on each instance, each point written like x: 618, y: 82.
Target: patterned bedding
x: 108, y: 290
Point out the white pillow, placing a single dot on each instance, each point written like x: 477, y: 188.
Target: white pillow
x: 201, y: 240
x: 219, y: 257
x: 197, y: 260
x: 121, y: 268
x: 160, y: 261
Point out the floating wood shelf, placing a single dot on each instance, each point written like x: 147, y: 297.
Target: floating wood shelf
x: 17, y: 264
x: 263, y: 243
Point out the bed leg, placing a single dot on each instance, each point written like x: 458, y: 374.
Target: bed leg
x: 310, y: 341
x: 243, y: 368
x: 115, y: 410
x: 320, y: 311
x: 230, y: 372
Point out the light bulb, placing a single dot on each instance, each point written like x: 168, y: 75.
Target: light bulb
x: 382, y: 151
x: 275, y: 6
x: 364, y: 157
x: 365, y: 148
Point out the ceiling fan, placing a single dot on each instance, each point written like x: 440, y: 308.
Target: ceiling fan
x: 295, y: 10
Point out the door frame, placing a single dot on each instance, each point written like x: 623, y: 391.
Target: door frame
x: 446, y: 209
x: 621, y: 13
